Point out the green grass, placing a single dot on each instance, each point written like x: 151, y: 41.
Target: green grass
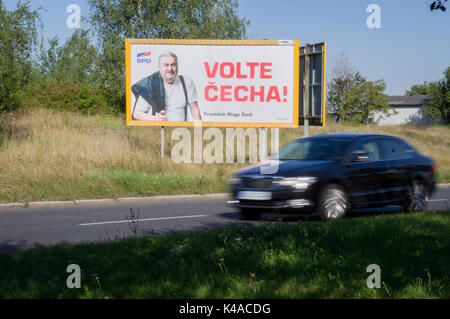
x: 127, y: 182
x: 274, y: 260
x: 117, y: 182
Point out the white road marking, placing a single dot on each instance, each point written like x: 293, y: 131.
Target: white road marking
x: 438, y: 200
x: 141, y: 220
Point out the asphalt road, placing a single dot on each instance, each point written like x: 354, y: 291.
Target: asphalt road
x: 23, y: 228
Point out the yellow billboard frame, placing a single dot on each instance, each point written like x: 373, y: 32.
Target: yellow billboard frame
x: 296, y: 79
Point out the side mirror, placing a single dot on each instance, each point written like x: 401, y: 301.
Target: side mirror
x: 360, y: 156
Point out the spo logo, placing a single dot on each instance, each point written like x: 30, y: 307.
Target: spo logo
x: 141, y: 57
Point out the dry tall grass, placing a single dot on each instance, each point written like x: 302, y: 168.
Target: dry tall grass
x: 47, y: 154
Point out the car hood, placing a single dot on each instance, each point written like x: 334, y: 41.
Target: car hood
x: 285, y: 168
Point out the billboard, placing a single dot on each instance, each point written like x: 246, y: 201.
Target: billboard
x: 313, y: 55
x: 222, y: 83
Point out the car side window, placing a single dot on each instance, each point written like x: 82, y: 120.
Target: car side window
x: 371, y: 148
x: 298, y: 150
x: 393, y: 149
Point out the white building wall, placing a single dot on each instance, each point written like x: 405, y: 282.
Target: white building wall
x: 404, y: 115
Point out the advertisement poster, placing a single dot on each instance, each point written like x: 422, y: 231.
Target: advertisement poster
x: 222, y: 83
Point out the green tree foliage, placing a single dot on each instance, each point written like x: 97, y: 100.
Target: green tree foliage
x: 440, y: 104
x: 73, y: 62
x: 354, y: 99
x: 116, y: 20
x: 438, y: 108
x: 18, y: 38
x: 65, y: 80
x: 420, y: 89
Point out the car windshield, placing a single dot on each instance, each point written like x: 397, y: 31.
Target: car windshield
x: 315, y: 149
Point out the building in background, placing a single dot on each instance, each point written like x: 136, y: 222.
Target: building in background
x: 409, y: 108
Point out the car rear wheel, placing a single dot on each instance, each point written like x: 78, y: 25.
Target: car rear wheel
x: 333, y: 202
x: 417, y: 197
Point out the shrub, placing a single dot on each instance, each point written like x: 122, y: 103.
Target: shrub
x: 66, y: 96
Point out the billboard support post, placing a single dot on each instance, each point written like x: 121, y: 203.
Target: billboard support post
x: 275, y: 140
x: 162, y: 143
x: 262, y: 144
x: 306, y: 95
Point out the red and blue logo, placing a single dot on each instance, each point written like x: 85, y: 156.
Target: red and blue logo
x: 142, y: 57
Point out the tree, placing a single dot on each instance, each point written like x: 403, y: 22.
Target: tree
x: 48, y: 60
x: 115, y: 20
x: 438, y: 108
x: 339, y: 96
x: 352, y: 98
x: 18, y: 38
x: 420, y: 89
x: 338, y: 88
x: 73, y: 62
x: 371, y: 101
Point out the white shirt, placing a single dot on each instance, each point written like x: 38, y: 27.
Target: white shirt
x: 174, y: 98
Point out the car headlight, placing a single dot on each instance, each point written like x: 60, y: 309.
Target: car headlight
x: 296, y: 182
x: 234, y: 180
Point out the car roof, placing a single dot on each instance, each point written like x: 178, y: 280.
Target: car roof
x: 351, y: 136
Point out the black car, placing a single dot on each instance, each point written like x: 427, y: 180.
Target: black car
x: 330, y: 174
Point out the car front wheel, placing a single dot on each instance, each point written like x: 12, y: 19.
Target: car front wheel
x: 333, y: 202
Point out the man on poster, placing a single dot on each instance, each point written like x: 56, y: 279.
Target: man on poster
x: 165, y: 95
